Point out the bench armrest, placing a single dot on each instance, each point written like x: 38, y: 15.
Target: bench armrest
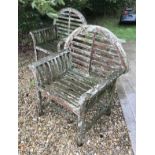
x: 95, y: 92
x: 50, y: 68
x: 43, y: 35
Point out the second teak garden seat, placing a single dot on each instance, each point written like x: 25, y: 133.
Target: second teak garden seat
x: 51, y: 39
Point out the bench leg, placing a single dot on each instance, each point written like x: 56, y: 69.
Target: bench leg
x: 81, y: 131
x: 39, y: 108
x: 35, y: 54
x: 111, y: 92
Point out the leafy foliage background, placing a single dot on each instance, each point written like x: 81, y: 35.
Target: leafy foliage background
x: 34, y: 14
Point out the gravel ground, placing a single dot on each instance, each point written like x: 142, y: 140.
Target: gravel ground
x: 54, y: 133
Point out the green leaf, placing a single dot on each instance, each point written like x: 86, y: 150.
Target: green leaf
x: 52, y: 15
x: 61, y: 2
x: 33, y: 4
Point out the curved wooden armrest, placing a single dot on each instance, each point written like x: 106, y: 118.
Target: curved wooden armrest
x: 98, y: 89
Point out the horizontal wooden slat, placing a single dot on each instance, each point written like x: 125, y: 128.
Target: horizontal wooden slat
x: 98, y: 38
x: 77, y: 61
x: 59, y: 24
x: 81, y: 45
x: 80, y: 51
x: 101, y: 64
x: 84, y: 40
x: 72, y: 14
x: 106, y: 60
x: 63, y: 29
x: 80, y: 57
x: 67, y: 18
x: 62, y: 22
x: 73, y: 27
x: 65, y: 94
x: 103, y: 52
x: 77, y: 88
x: 104, y: 66
x: 103, y: 45
x: 75, y: 24
x: 66, y: 22
x: 78, y: 81
x: 78, y: 75
x: 67, y: 89
x: 61, y: 33
x: 64, y: 14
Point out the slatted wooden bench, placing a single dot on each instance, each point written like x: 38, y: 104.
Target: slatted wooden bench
x: 51, y: 39
x: 83, y: 75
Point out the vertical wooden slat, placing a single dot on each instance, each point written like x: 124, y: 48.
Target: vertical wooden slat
x: 92, y: 52
x: 50, y: 70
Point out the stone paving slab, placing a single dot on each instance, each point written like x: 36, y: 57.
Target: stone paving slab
x: 127, y: 92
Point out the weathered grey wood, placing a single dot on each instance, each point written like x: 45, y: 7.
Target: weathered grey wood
x: 83, y: 75
x: 51, y: 40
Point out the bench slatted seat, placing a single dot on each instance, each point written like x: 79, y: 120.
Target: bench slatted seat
x: 83, y: 75
x: 51, y: 39
x: 48, y: 46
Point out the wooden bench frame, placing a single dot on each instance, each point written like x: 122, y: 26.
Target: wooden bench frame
x: 93, y: 86
x: 68, y: 20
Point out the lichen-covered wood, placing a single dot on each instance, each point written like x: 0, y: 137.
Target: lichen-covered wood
x: 51, y: 39
x: 83, y: 74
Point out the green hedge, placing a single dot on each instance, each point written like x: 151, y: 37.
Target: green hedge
x: 31, y: 19
x: 28, y: 20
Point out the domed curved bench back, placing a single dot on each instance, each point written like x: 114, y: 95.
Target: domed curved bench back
x: 68, y: 20
x: 95, y: 49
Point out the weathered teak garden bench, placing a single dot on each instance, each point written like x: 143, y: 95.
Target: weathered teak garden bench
x: 83, y: 75
x: 50, y: 40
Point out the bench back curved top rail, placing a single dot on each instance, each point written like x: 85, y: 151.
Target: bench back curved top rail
x: 68, y: 20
